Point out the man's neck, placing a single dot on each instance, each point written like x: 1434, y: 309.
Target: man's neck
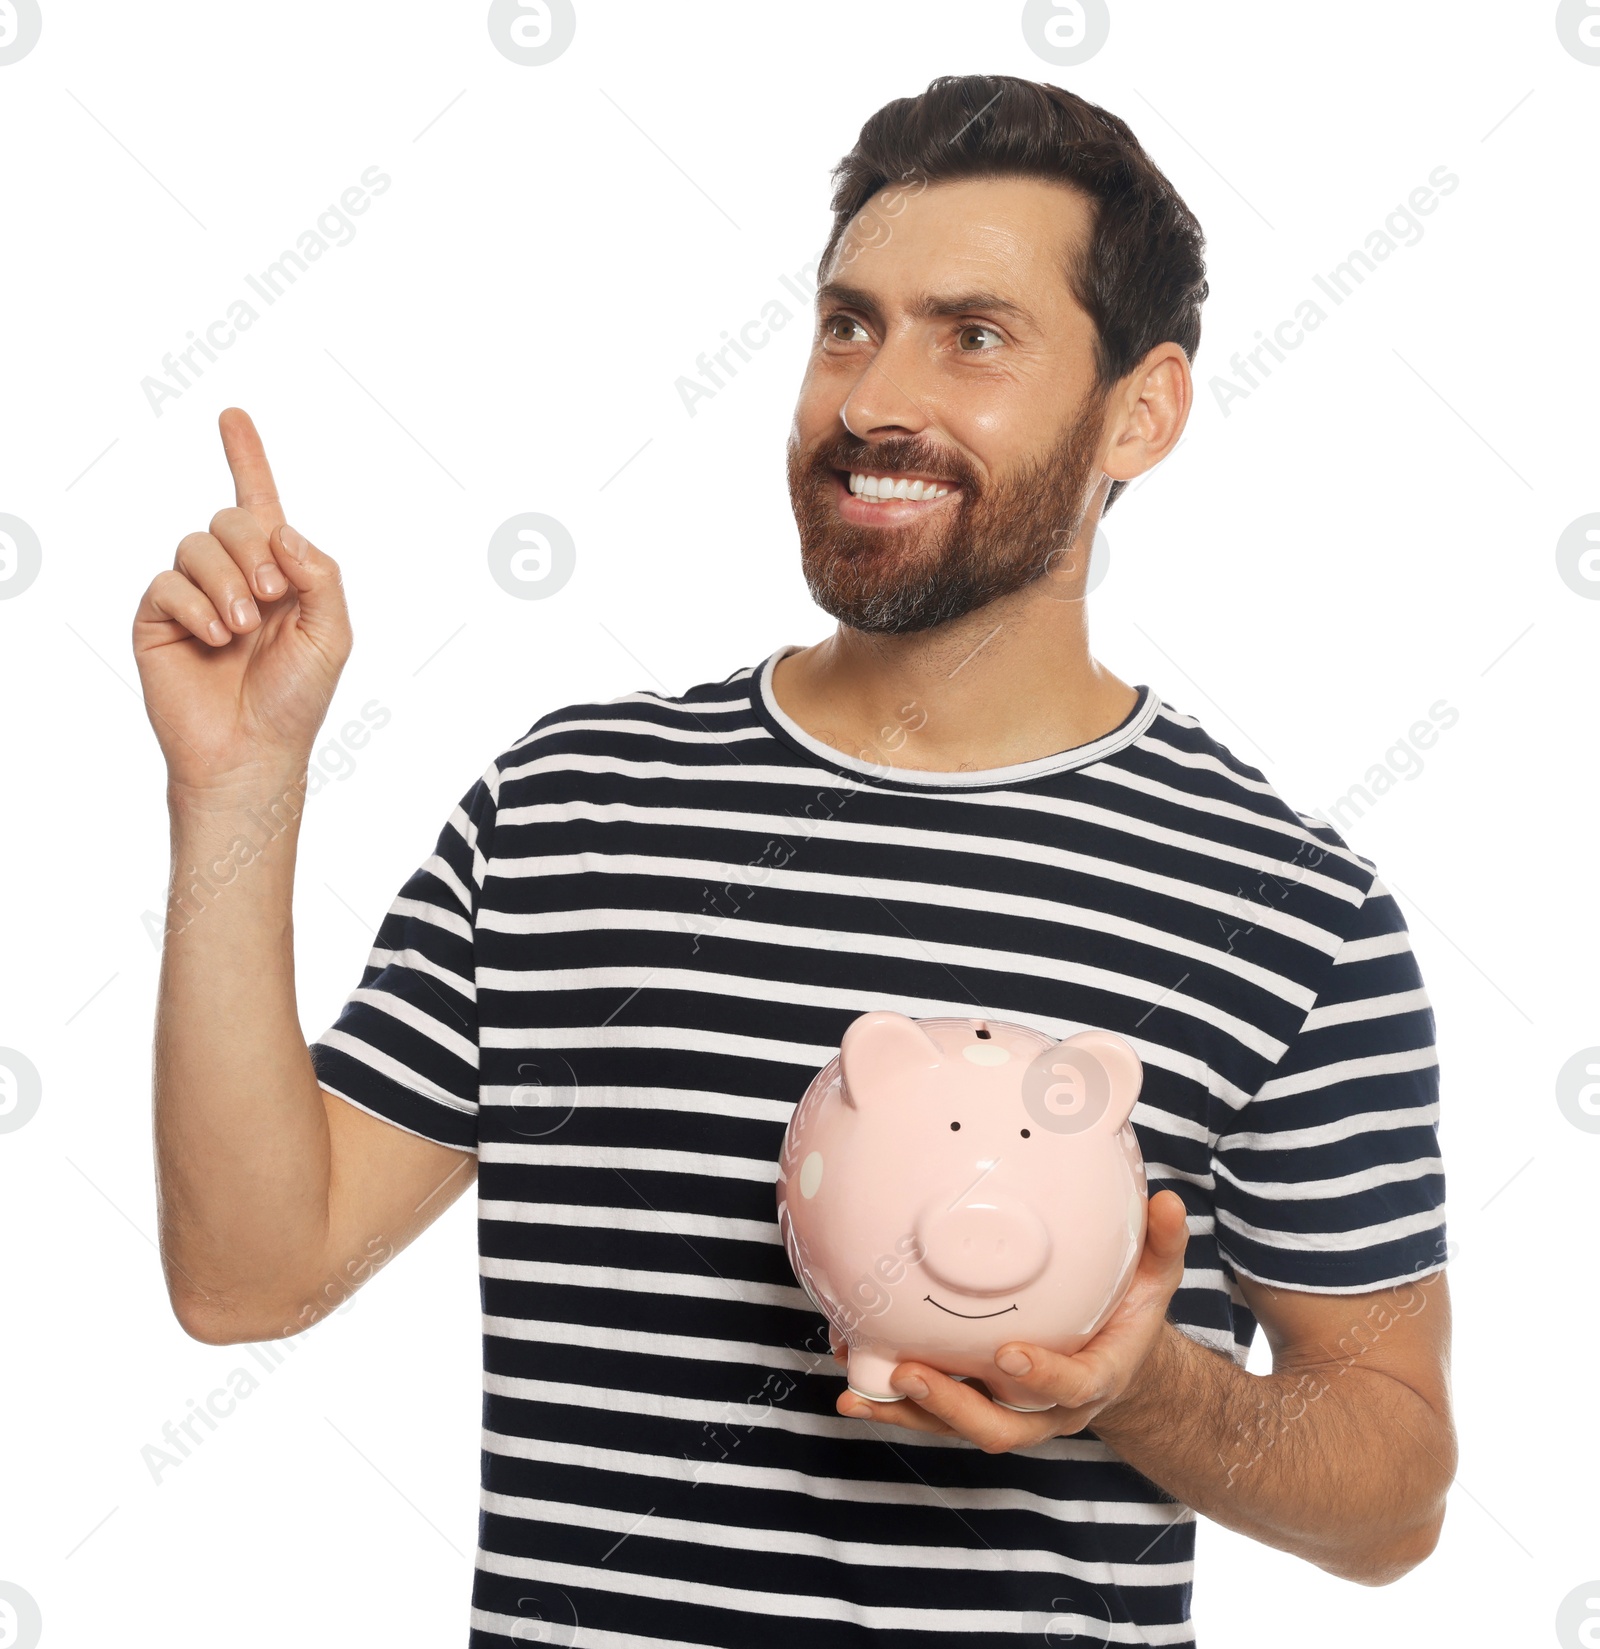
x: 1010, y: 683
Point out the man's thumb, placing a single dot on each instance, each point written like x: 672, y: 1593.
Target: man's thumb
x: 315, y: 578
x: 1168, y: 1230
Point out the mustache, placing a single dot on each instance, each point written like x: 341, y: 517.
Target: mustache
x: 886, y: 457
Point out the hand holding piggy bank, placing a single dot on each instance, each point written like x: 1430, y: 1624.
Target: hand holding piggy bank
x: 948, y: 1185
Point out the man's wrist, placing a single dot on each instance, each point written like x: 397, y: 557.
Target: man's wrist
x: 276, y: 791
x: 233, y: 839
x: 1150, y: 1393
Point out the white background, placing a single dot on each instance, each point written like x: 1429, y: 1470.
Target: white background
x: 1372, y: 530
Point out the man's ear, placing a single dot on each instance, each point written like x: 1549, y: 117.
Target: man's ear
x: 1159, y: 394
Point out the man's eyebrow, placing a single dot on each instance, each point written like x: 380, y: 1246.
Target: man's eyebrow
x: 928, y: 306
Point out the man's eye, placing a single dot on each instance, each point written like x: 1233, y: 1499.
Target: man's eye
x: 975, y: 327
x: 833, y: 322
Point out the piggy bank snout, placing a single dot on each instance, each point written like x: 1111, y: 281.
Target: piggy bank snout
x: 982, y: 1248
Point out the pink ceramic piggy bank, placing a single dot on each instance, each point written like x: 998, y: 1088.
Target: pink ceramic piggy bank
x: 948, y: 1185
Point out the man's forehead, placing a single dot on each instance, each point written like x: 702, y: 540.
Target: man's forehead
x: 1000, y: 245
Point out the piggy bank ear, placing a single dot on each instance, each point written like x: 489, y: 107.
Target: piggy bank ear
x: 881, y: 1051
x: 1088, y: 1083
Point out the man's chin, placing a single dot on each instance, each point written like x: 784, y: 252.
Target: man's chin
x: 886, y: 607
x: 875, y: 557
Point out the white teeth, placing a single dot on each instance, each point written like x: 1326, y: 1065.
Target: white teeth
x: 882, y: 486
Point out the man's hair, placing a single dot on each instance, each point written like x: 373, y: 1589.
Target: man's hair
x: 1141, y: 277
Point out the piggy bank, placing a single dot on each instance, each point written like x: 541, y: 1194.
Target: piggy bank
x: 948, y: 1185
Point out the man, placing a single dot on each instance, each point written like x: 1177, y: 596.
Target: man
x: 650, y: 920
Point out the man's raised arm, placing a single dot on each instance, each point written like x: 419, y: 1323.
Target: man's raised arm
x: 276, y: 1199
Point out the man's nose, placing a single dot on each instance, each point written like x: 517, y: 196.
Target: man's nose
x: 888, y: 397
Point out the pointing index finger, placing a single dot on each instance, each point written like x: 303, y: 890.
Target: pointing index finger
x: 253, y: 486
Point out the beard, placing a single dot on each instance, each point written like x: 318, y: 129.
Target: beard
x: 895, y: 580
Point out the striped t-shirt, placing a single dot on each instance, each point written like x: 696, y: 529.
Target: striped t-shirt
x: 641, y: 932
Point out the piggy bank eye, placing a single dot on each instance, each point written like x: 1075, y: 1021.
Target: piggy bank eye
x: 954, y: 1126
x: 1024, y: 1133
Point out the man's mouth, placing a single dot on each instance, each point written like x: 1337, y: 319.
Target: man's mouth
x: 890, y: 498
x: 873, y: 487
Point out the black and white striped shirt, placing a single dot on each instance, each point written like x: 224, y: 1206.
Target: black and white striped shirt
x: 640, y: 933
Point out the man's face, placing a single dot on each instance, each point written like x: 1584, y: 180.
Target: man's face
x: 948, y: 349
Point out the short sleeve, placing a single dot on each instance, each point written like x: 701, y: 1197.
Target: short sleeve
x: 405, y: 1044
x: 1329, y: 1178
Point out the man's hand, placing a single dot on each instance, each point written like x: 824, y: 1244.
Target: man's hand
x: 239, y: 644
x: 1120, y: 1358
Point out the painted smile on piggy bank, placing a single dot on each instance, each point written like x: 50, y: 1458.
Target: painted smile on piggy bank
x: 959, y: 1164
x: 971, y: 1315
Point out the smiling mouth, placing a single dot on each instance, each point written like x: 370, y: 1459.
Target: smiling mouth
x: 971, y: 1316
x: 911, y: 485
x: 898, y: 496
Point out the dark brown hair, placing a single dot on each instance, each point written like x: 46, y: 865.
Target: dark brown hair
x: 1142, y: 276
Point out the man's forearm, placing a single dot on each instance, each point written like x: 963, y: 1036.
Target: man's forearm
x: 1337, y: 1463
x: 241, y: 1134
